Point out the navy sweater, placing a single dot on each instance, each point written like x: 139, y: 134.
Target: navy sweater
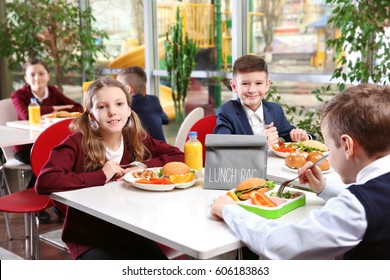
x: 374, y: 195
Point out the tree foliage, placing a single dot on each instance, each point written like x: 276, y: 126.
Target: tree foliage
x: 362, y: 25
x: 58, y: 32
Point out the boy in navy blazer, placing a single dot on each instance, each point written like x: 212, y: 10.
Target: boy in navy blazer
x: 250, y: 114
x: 354, y: 223
x: 147, y: 107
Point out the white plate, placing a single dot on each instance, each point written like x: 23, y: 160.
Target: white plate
x: 285, y: 167
x: 160, y: 187
x: 282, y: 154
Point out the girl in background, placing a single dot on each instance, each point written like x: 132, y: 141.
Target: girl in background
x: 50, y: 99
x: 107, y: 135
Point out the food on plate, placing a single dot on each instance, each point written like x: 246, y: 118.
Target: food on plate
x: 155, y: 181
x: 286, y: 147
x: 286, y: 195
x: 233, y: 195
x: 296, y: 160
x: 314, y: 156
x: 247, y: 188
x: 144, y: 173
x: 175, y: 168
x: 182, y: 178
x: 62, y: 114
x: 177, y: 172
x: 262, y: 200
x: 313, y: 145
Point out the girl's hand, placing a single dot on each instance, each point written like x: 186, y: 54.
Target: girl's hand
x: 298, y: 134
x: 127, y: 170
x: 112, y: 170
x: 272, y: 134
x: 313, y: 177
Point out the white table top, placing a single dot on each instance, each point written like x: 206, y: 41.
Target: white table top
x: 179, y: 219
x: 26, y: 125
x: 13, y: 136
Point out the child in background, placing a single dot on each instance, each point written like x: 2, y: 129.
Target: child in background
x: 108, y: 134
x: 355, y: 221
x: 250, y: 114
x: 50, y: 99
x: 147, y: 107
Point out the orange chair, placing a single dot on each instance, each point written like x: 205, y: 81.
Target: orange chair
x: 203, y: 127
x: 28, y: 201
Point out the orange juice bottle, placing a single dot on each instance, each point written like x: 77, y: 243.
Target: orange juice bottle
x: 193, y: 152
x: 34, y: 112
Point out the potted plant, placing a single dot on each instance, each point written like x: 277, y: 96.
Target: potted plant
x: 180, y: 60
x: 58, y: 32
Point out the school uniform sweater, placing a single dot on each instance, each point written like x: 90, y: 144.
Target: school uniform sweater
x: 374, y: 195
x: 64, y: 171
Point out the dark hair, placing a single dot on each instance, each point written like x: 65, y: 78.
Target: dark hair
x: 249, y: 63
x: 135, y: 77
x: 34, y: 61
x: 363, y: 113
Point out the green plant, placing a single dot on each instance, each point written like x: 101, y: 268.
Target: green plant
x: 58, y: 32
x: 300, y: 116
x: 180, y: 60
x: 362, y: 25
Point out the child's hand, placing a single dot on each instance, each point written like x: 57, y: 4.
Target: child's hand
x: 112, y: 170
x: 216, y: 208
x: 313, y: 177
x: 127, y: 170
x: 272, y: 134
x: 298, y: 134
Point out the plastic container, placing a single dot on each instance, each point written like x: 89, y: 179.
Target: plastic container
x: 34, y: 112
x: 284, y: 205
x: 193, y: 152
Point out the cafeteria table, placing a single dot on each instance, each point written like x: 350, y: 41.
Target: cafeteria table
x: 10, y: 136
x: 179, y: 218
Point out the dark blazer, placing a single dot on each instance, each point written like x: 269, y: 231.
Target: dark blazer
x: 149, y: 110
x: 232, y: 119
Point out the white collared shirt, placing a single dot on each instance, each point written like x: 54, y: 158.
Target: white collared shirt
x: 327, y: 232
x: 45, y: 95
x: 256, y: 119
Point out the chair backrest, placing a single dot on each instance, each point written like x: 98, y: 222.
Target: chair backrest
x: 7, y: 113
x: 188, y: 122
x: 203, y: 127
x: 46, y: 141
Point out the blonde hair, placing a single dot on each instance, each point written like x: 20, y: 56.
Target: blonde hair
x: 92, y: 142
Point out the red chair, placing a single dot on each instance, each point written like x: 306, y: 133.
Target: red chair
x: 203, y: 127
x: 47, y: 140
x: 28, y: 201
